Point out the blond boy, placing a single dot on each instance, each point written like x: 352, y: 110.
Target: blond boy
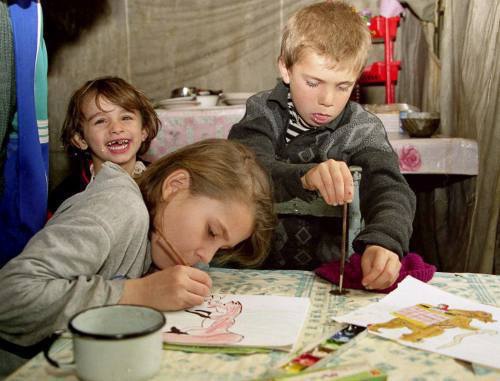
x: 307, y: 132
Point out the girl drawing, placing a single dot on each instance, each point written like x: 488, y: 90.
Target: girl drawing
x: 217, y: 318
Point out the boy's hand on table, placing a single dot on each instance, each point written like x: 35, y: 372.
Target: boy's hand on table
x: 173, y: 288
x: 380, y: 267
x: 332, y: 179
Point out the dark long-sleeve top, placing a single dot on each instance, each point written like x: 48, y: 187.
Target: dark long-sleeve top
x: 356, y: 137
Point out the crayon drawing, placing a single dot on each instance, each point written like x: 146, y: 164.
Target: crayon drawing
x: 217, y: 317
x: 425, y: 321
x: 421, y: 316
x: 239, y: 320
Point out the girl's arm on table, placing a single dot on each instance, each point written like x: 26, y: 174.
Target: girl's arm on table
x: 69, y: 265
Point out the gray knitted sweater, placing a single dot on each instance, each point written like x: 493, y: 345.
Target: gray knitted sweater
x: 70, y: 264
x: 356, y: 137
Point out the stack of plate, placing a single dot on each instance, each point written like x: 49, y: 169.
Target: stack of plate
x: 235, y: 98
x: 178, y: 103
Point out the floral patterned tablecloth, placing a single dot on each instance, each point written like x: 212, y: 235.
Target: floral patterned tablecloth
x: 399, y: 362
x: 437, y: 155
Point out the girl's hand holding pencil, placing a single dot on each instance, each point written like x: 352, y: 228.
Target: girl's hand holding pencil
x: 173, y: 288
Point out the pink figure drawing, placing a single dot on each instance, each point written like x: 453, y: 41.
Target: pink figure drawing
x: 217, y: 318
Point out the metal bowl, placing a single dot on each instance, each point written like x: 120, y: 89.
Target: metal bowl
x: 183, y: 92
x: 420, y: 124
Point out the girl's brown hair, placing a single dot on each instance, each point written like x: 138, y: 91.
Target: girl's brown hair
x: 223, y: 170
x: 117, y: 91
x: 332, y: 29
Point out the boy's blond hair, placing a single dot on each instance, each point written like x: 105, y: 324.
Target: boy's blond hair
x: 330, y: 29
x: 223, y: 170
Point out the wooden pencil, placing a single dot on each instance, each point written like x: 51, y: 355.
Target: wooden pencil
x: 343, y: 246
x: 170, y: 250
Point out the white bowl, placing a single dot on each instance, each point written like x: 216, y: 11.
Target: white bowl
x: 171, y: 101
x: 207, y: 100
x: 236, y: 98
x: 237, y: 95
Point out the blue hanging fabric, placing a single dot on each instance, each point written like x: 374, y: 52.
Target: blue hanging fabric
x: 23, y: 203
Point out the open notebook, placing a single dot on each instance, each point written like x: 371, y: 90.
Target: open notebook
x: 246, y: 321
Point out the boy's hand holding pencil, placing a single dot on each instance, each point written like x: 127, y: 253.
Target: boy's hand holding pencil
x: 332, y: 179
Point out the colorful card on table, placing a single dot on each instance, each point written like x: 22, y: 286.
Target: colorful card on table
x: 425, y: 317
x: 311, y: 357
x: 348, y: 372
x: 246, y: 321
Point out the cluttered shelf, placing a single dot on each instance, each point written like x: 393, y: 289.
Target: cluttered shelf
x: 397, y: 361
x: 436, y: 155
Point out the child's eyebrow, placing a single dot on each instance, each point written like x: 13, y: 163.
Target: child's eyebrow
x: 309, y: 76
x: 96, y: 114
x: 312, y: 77
x: 346, y: 83
x: 125, y: 111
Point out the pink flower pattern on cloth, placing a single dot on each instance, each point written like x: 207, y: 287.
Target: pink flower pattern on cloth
x: 409, y: 159
x: 182, y: 127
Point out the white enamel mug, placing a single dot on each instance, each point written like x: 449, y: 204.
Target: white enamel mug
x: 116, y: 342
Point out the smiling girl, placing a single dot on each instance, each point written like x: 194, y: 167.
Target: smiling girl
x: 107, y: 120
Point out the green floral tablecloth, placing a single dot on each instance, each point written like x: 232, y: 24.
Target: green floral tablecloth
x: 399, y: 362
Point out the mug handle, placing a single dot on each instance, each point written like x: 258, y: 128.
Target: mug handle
x: 46, y: 351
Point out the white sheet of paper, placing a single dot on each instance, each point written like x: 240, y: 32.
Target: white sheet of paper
x: 480, y: 346
x: 264, y: 321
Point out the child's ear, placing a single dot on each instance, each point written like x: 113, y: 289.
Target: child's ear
x: 176, y: 181
x: 283, y: 71
x: 144, y: 134
x: 79, y: 142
